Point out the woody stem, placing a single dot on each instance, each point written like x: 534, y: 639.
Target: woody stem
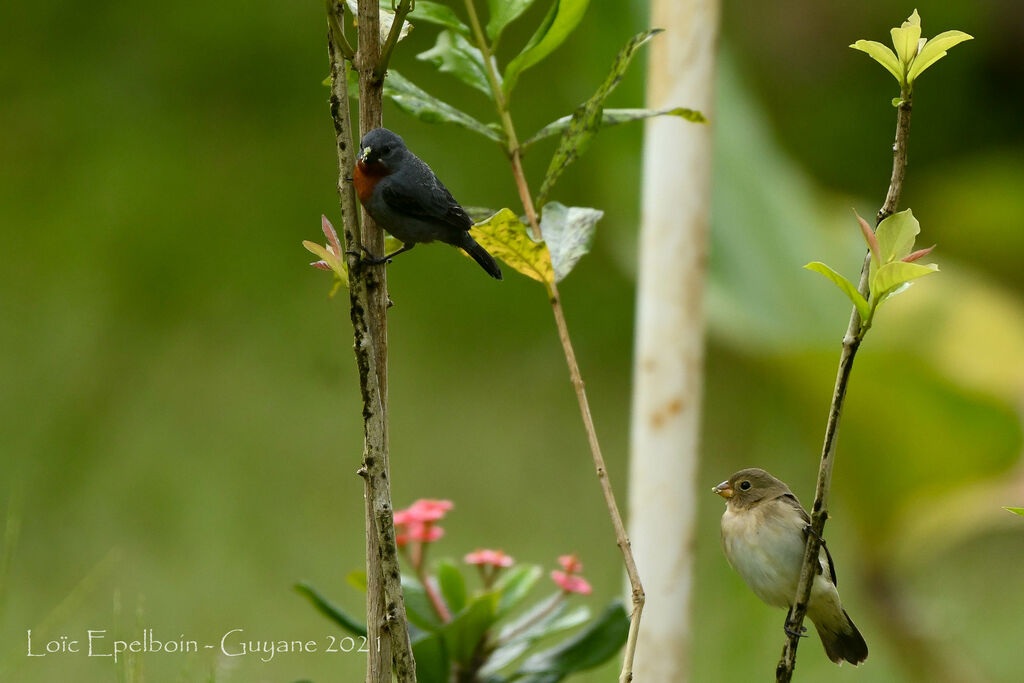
x: 851, y: 343
x: 621, y: 537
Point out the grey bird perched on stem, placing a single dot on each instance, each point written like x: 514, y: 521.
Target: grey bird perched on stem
x: 763, y: 534
x: 405, y: 198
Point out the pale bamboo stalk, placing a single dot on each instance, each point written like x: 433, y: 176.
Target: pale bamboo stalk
x: 669, y: 349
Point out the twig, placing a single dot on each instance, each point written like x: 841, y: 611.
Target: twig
x: 621, y: 537
x: 403, y: 9
x: 368, y: 297
x: 336, y: 26
x: 851, y: 343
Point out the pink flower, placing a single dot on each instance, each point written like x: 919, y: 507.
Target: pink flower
x: 416, y: 522
x: 423, y: 510
x: 571, y: 583
x: 417, y: 531
x: 493, y: 558
x: 570, y: 563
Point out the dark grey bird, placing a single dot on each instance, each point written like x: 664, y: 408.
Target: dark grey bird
x: 404, y: 197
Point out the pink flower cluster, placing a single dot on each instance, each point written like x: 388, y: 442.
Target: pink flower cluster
x: 418, y: 521
x: 569, y: 580
x: 492, y: 558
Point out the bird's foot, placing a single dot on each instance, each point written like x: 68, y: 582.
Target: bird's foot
x: 808, y: 529
x: 793, y: 634
x: 368, y: 257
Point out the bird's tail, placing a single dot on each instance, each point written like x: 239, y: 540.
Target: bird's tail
x: 480, y: 255
x: 841, y: 639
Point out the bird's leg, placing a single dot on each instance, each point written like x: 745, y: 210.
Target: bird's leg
x: 791, y: 632
x: 810, y: 530
x: 377, y: 260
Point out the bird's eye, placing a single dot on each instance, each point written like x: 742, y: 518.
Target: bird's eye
x: 745, y: 486
x: 384, y: 150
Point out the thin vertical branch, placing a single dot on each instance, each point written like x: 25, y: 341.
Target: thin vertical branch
x: 621, y: 537
x: 851, y: 343
x: 387, y: 627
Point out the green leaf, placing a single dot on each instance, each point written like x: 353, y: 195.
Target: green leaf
x: 934, y: 50
x: 568, y: 232
x: 845, y: 285
x: 503, y: 13
x: 893, y: 275
x: 906, y: 40
x: 467, y: 628
x: 412, y: 100
x: 507, y: 238
x: 357, y: 579
x: 453, y: 54
x: 612, y: 117
x: 432, y: 661
x: 438, y: 14
x: 453, y: 586
x: 586, y: 120
x: 532, y: 626
x: 418, y: 606
x: 331, y: 611
x: 514, y: 585
x: 896, y: 235
x: 881, y: 54
x: 599, y: 641
x: 1016, y: 511
x: 561, y: 20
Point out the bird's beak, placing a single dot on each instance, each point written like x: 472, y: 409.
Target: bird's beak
x: 365, y: 153
x: 724, y: 490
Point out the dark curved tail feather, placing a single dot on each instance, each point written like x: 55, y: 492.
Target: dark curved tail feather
x: 481, y: 256
x: 845, y: 642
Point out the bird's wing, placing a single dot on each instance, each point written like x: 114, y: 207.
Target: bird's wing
x: 790, y: 499
x: 427, y: 199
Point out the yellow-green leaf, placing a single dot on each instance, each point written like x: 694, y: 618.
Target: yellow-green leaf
x: 896, y: 235
x: 507, y: 238
x: 934, y: 50
x: 892, y: 275
x: 905, y: 40
x: 881, y: 54
x: 318, y: 250
x: 1016, y: 511
x: 845, y: 285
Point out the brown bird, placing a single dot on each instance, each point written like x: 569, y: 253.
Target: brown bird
x: 764, y: 531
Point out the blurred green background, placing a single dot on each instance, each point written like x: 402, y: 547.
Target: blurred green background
x: 179, y: 419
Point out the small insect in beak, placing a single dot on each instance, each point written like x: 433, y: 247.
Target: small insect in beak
x: 365, y: 154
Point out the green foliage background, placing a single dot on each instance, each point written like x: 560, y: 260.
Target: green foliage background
x: 179, y: 420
